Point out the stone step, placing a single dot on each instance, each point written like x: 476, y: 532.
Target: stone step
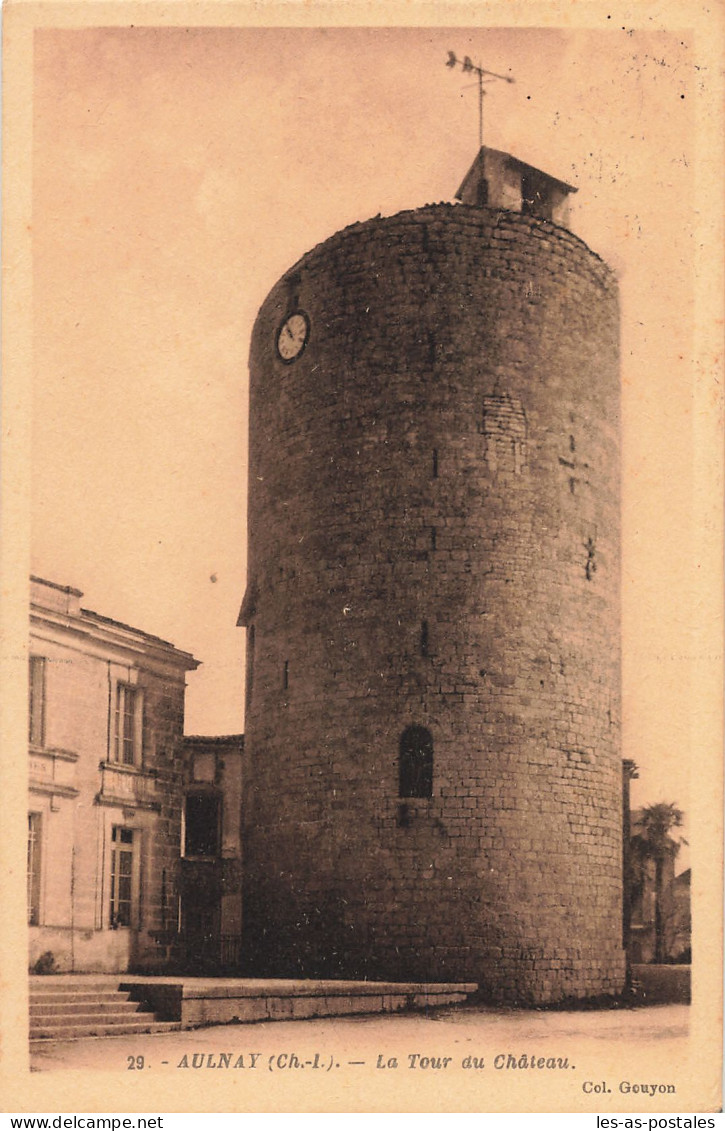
x: 46, y: 986
x: 74, y: 979
x: 212, y: 1001
x: 91, y: 1017
x: 60, y: 1001
x: 87, y: 1008
x: 69, y: 1009
x: 71, y: 1031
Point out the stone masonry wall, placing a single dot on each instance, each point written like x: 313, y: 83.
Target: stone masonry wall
x: 434, y: 541
x: 74, y: 921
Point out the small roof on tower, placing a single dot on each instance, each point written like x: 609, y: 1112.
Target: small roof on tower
x: 499, y: 180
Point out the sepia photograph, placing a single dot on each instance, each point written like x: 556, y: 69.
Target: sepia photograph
x: 361, y: 570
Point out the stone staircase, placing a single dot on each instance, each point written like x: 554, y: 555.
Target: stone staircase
x: 65, y: 1007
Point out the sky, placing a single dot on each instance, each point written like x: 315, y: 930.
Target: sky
x: 177, y: 173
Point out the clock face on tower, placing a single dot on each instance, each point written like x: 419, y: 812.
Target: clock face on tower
x: 292, y: 336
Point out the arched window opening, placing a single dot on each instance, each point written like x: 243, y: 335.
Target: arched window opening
x: 415, y: 764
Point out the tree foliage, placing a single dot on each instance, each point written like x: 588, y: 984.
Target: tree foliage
x: 655, y: 823
x: 654, y: 841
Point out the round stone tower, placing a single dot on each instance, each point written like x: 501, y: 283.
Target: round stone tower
x: 432, y: 754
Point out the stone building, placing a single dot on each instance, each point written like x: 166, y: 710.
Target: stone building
x: 106, y: 788
x: 432, y: 765
x: 211, y: 880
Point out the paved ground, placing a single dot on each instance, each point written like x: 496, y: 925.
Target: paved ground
x: 587, y: 1058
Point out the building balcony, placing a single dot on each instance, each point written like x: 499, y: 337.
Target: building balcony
x: 129, y: 786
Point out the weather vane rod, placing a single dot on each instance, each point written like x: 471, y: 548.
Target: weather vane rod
x: 469, y: 67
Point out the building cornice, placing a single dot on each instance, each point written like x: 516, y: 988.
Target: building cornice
x: 109, y: 640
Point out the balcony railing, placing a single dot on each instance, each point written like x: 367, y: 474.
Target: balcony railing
x: 230, y: 951
x: 210, y: 954
x: 127, y: 785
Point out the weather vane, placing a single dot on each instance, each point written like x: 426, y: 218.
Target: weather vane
x: 469, y: 67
